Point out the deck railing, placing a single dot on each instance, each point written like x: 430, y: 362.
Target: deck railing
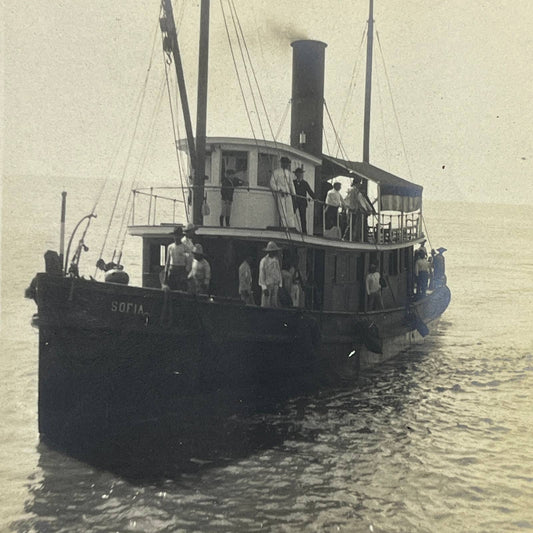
x: 255, y: 207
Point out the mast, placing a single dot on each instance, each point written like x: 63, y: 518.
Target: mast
x: 201, y: 116
x: 368, y: 84
x: 170, y: 43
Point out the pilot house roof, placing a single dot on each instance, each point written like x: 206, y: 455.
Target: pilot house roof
x: 389, y: 183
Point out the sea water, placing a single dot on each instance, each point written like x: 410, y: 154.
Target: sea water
x: 438, y: 439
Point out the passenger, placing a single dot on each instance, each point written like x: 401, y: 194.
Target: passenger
x: 357, y: 206
x: 283, y: 189
x: 200, y: 274
x: 421, y: 252
x: 229, y: 182
x: 188, y: 241
x: 270, y: 276
x: 302, y: 189
x: 176, y: 263
x: 333, y: 202
x: 245, y: 281
x: 373, y: 289
x: 284, y: 294
x: 422, y: 268
x: 439, y: 268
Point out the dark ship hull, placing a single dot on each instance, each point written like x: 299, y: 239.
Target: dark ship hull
x: 113, y: 356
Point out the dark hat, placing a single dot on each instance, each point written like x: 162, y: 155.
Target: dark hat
x: 441, y: 250
x: 299, y: 170
x: 285, y: 160
x: 189, y: 227
x: 178, y: 230
x: 272, y: 247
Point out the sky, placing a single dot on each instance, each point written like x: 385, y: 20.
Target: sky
x: 457, y: 118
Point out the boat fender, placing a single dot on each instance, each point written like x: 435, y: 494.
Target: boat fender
x: 368, y: 333
x: 117, y: 276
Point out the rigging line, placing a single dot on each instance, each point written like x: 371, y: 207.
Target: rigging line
x: 343, y: 151
x: 124, y: 128
x: 240, y: 35
x: 142, y: 161
x: 174, y: 130
x: 387, y: 155
x: 143, y: 92
x: 394, y: 106
x: 237, y: 71
x: 353, y: 84
x: 287, y: 233
x: 283, y: 118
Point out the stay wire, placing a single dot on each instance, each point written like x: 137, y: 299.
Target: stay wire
x: 394, y: 106
x: 143, y: 93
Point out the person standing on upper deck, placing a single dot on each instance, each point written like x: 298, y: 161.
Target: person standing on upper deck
x: 333, y: 202
x: 283, y: 189
x: 358, y: 207
x: 188, y: 241
x: 229, y: 182
x: 270, y: 276
x: 302, y: 189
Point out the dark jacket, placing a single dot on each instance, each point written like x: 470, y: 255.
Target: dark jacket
x: 302, y: 189
x: 228, y: 187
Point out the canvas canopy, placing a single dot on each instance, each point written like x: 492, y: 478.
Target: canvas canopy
x: 396, y: 193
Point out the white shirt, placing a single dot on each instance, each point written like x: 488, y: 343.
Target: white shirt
x: 372, y: 282
x: 281, y: 180
x: 269, y: 272
x: 334, y: 198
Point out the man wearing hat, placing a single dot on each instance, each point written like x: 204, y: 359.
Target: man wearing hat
x: 301, y: 189
x: 283, y: 189
x: 439, y: 268
x: 176, y: 263
x: 270, y: 276
x: 200, y: 274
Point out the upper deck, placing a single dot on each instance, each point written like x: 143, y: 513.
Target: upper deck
x: 395, y: 220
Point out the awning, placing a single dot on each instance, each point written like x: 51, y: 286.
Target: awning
x: 396, y: 193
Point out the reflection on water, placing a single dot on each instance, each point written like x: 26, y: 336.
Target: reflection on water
x: 437, y: 440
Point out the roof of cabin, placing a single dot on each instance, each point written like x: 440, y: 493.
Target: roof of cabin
x: 389, y: 183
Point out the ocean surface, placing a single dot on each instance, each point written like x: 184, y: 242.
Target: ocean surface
x: 439, y: 439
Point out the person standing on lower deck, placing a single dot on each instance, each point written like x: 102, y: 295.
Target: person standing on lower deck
x: 176, y: 263
x: 200, y: 274
x: 422, y: 268
x: 270, y: 276
x: 373, y: 289
x: 245, y: 281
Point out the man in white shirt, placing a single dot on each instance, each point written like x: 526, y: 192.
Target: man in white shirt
x: 200, y: 274
x: 373, y: 289
x: 333, y: 202
x: 283, y: 189
x: 270, y: 276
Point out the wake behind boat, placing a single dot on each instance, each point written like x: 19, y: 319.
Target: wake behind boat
x: 335, y: 294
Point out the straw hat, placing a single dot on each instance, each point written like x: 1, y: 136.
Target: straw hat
x: 272, y: 247
x: 189, y: 227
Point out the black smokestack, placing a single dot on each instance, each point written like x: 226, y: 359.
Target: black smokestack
x: 307, y: 95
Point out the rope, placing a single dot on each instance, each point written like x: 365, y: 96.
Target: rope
x: 283, y: 118
x: 143, y: 93
x: 174, y: 128
x: 394, y: 106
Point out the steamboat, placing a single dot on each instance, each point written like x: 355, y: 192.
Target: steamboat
x: 112, y: 354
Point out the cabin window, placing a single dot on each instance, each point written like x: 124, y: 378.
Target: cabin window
x: 266, y: 163
x: 237, y: 161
